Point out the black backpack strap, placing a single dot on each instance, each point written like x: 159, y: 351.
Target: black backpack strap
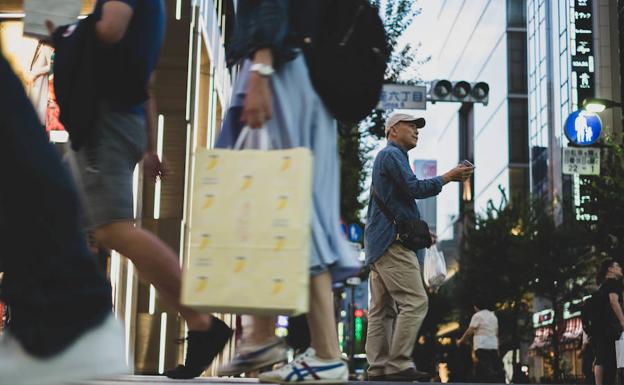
x: 382, y: 206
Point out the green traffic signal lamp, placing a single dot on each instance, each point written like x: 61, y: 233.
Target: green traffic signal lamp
x: 598, y: 104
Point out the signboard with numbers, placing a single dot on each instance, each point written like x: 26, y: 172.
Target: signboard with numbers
x: 402, y: 96
x: 581, y: 161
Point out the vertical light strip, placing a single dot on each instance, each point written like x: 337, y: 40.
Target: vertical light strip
x: 114, y: 276
x: 128, y: 313
x: 152, y: 300
x: 178, y: 9
x: 163, y: 339
x: 135, y: 190
x: 189, y: 68
x: 197, y: 90
x: 210, y: 114
x: 159, y: 151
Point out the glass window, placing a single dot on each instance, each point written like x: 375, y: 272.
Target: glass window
x: 517, y: 62
x: 518, y: 131
x: 516, y: 13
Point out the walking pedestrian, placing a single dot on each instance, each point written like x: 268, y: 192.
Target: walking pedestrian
x: 63, y: 328
x: 484, y: 329
x: 610, y: 320
x: 124, y: 134
x: 398, y: 299
x: 274, y: 90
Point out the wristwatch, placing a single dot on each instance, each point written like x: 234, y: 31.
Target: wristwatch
x: 265, y: 70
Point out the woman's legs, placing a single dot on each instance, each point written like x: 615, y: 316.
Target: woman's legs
x: 321, y: 318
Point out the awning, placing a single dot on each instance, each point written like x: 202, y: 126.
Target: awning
x: 542, y: 338
x: 573, y: 330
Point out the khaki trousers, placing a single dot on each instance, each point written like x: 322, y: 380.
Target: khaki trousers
x: 397, y: 309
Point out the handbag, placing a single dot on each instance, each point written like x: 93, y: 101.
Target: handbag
x: 413, y: 234
x: 249, y: 236
x: 619, y: 351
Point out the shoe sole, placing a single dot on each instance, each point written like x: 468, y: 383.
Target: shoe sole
x: 252, y: 368
x: 276, y: 381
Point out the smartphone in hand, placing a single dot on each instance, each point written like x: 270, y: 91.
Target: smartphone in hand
x: 467, y: 163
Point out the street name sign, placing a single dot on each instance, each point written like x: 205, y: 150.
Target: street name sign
x: 403, y: 96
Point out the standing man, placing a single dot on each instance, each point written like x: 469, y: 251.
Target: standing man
x: 398, y: 298
x: 611, y: 324
x: 133, y: 31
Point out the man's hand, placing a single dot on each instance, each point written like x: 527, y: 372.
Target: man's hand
x: 257, y: 108
x: 458, y: 174
x: 153, y: 167
x: 434, y: 238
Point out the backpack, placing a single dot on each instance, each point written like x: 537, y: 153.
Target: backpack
x: 75, y: 80
x: 591, y: 314
x: 347, y: 60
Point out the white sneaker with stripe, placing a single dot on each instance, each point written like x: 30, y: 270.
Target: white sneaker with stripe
x: 307, y: 368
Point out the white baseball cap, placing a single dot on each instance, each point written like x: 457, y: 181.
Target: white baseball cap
x: 397, y: 117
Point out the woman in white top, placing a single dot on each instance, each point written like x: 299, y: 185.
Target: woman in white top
x: 484, y: 329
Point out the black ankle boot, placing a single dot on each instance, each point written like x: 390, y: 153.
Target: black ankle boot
x: 202, y: 348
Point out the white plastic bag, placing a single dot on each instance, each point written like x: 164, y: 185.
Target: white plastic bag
x: 435, y: 268
x: 619, y: 351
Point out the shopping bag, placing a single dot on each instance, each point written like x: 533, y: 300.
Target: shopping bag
x: 619, y: 351
x: 434, y: 271
x: 249, y: 240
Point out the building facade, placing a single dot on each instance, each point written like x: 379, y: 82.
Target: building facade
x: 482, y: 41
x: 573, y: 48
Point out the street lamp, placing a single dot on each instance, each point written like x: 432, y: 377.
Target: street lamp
x: 598, y: 105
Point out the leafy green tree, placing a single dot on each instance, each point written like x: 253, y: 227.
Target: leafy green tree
x: 607, y: 200
x: 494, y: 268
x: 356, y: 141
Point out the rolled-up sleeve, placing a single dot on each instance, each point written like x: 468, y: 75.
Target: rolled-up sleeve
x: 269, y: 24
x: 398, y: 169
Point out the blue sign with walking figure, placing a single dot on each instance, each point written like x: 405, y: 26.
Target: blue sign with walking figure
x: 355, y: 232
x: 583, y: 128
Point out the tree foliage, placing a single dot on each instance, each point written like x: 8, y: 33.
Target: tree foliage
x: 353, y: 143
x: 517, y: 252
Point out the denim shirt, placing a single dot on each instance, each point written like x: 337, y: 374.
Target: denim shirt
x: 397, y: 187
x: 276, y: 24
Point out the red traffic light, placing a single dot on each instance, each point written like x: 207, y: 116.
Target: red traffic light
x: 359, y: 313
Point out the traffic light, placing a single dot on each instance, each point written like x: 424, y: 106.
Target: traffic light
x: 359, y: 325
x: 459, y: 91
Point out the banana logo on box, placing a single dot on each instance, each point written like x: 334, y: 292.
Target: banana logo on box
x: 213, y: 162
x: 282, y: 202
x: 278, y: 286
x: 280, y: 242
x: 205, y: 241
x: 286, y: 162
x: 208, y: 201
x: 240, y: 264
x: 247, y: 182
x: 201, y: 285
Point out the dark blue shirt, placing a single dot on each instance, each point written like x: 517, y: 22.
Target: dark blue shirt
x: 144, y: 37
x: 397, y: 187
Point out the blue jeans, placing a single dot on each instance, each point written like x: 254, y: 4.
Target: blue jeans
x: 51, y: 282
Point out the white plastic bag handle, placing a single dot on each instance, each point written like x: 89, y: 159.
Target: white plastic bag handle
x: 257, y: 137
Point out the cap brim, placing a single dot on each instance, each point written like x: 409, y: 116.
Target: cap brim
x: 419, y: 122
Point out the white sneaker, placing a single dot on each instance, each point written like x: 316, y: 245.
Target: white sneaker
x: 254, y: 357
x: 97, y: 353
x: 307, y: 368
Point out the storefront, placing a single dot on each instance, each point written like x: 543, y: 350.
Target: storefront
x: 570, y: 339
x: 33, y: 62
